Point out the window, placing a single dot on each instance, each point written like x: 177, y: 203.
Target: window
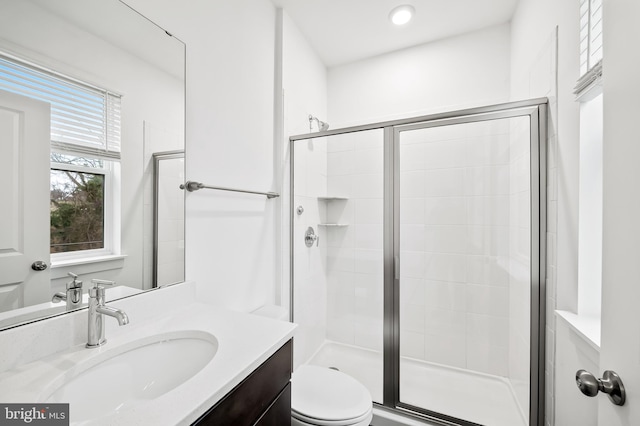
x: 590, y: 34
x: 77, y: 203
x: 591, y: 52
x: 85, y: 154
x: 588, y: 92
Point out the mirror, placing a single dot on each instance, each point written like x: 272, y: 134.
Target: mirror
x: 137, y: 237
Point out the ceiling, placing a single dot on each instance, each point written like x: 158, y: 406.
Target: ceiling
x: 343, y: 31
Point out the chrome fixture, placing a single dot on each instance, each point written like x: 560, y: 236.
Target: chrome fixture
x: 611, y: 384
x: 73, y: 296
x: 310, y: 237
x: 39, y: 265
x: 300, y: 210
x: 97, y: 310
x: 194, y: 186
x: 322, y: 126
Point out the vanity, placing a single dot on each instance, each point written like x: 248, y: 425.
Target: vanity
x: 263, y: 398
x: 208, y: 365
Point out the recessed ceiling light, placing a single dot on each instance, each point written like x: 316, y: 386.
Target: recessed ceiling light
x: 402, y: 14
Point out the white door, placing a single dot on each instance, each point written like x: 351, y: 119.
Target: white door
x: 24, y: 200
x: 620, y: 342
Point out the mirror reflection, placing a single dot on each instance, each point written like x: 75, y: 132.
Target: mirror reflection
x: 91, y: 154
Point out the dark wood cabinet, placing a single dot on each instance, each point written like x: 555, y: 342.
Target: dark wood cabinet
x: 263, y: 398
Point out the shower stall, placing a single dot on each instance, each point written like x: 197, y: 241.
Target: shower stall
x: 418, y: 261
x: 168, y: 218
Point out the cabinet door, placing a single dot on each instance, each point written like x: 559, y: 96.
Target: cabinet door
x: 249, y: 401
x: 279, y: 413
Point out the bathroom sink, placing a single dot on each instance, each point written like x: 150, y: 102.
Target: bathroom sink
x: 125, y: 377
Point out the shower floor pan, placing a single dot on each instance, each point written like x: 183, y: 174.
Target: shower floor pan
x: 477, y: 397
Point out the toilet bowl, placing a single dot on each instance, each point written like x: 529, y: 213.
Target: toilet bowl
x: 321, y: 396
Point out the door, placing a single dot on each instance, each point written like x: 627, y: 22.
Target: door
x: 24, y: 195
x: 466, y: 237
x: 620, y: 339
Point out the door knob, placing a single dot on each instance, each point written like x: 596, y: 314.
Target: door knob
x: 611, y: 384
x: 39, y: 265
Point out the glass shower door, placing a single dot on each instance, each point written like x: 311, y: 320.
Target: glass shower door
x: 462, y: 233
x: 338, y: 271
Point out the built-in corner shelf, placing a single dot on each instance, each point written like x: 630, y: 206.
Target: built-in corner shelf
x: 333, y: 225
x: 332, y: 199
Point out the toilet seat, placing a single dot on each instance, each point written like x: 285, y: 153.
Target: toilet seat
x: 325, y: 397
x: 362, y: 420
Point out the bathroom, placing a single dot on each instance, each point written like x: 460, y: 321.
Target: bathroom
x: 253, y: 79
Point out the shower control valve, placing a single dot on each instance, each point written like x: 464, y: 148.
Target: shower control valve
x: 310, y: 237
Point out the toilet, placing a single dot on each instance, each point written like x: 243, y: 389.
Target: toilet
x: 321, y: 396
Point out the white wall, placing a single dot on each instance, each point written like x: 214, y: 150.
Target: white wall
x: 544, y: 62
x: 304, y: 92
x: 590, y: 218
x: 355, y: 255
x: 231, y: 238
x: 463, y: 71
x: 573, y: 353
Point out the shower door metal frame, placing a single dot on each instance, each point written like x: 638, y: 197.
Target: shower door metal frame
x: 537, y: 120
x: 536, y: 110
x: 157, y: 158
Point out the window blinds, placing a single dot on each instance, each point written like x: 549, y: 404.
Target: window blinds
x: 590, y: 34
x: 84, y: 120
x: 589, y: 83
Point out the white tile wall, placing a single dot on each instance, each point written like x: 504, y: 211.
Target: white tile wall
x: 312, y: 295
x: 464, y: 244
x: 170, y: 222
x: 520, y: 262
x: 461, y: 204
x: 355, y: 255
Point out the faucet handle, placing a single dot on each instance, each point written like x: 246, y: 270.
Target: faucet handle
x: 75, y: 284
x: 98, y: 283
x: 97, y: 290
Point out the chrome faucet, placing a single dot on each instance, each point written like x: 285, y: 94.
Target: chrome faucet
x: 97, y: 310
x: 73, y: 296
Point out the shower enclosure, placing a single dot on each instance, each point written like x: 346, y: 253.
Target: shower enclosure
x: 418, y: 261
x: 168, y: 218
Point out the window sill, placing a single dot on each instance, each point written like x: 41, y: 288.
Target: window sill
x: 586, y: 327
x: 86, y: 265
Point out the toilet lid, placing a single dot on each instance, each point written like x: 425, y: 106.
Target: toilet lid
x: 328, y: 395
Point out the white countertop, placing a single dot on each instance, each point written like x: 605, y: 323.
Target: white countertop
x: 244, y: 342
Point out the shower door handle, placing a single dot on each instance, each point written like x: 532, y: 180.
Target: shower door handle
x: 396, y: 267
